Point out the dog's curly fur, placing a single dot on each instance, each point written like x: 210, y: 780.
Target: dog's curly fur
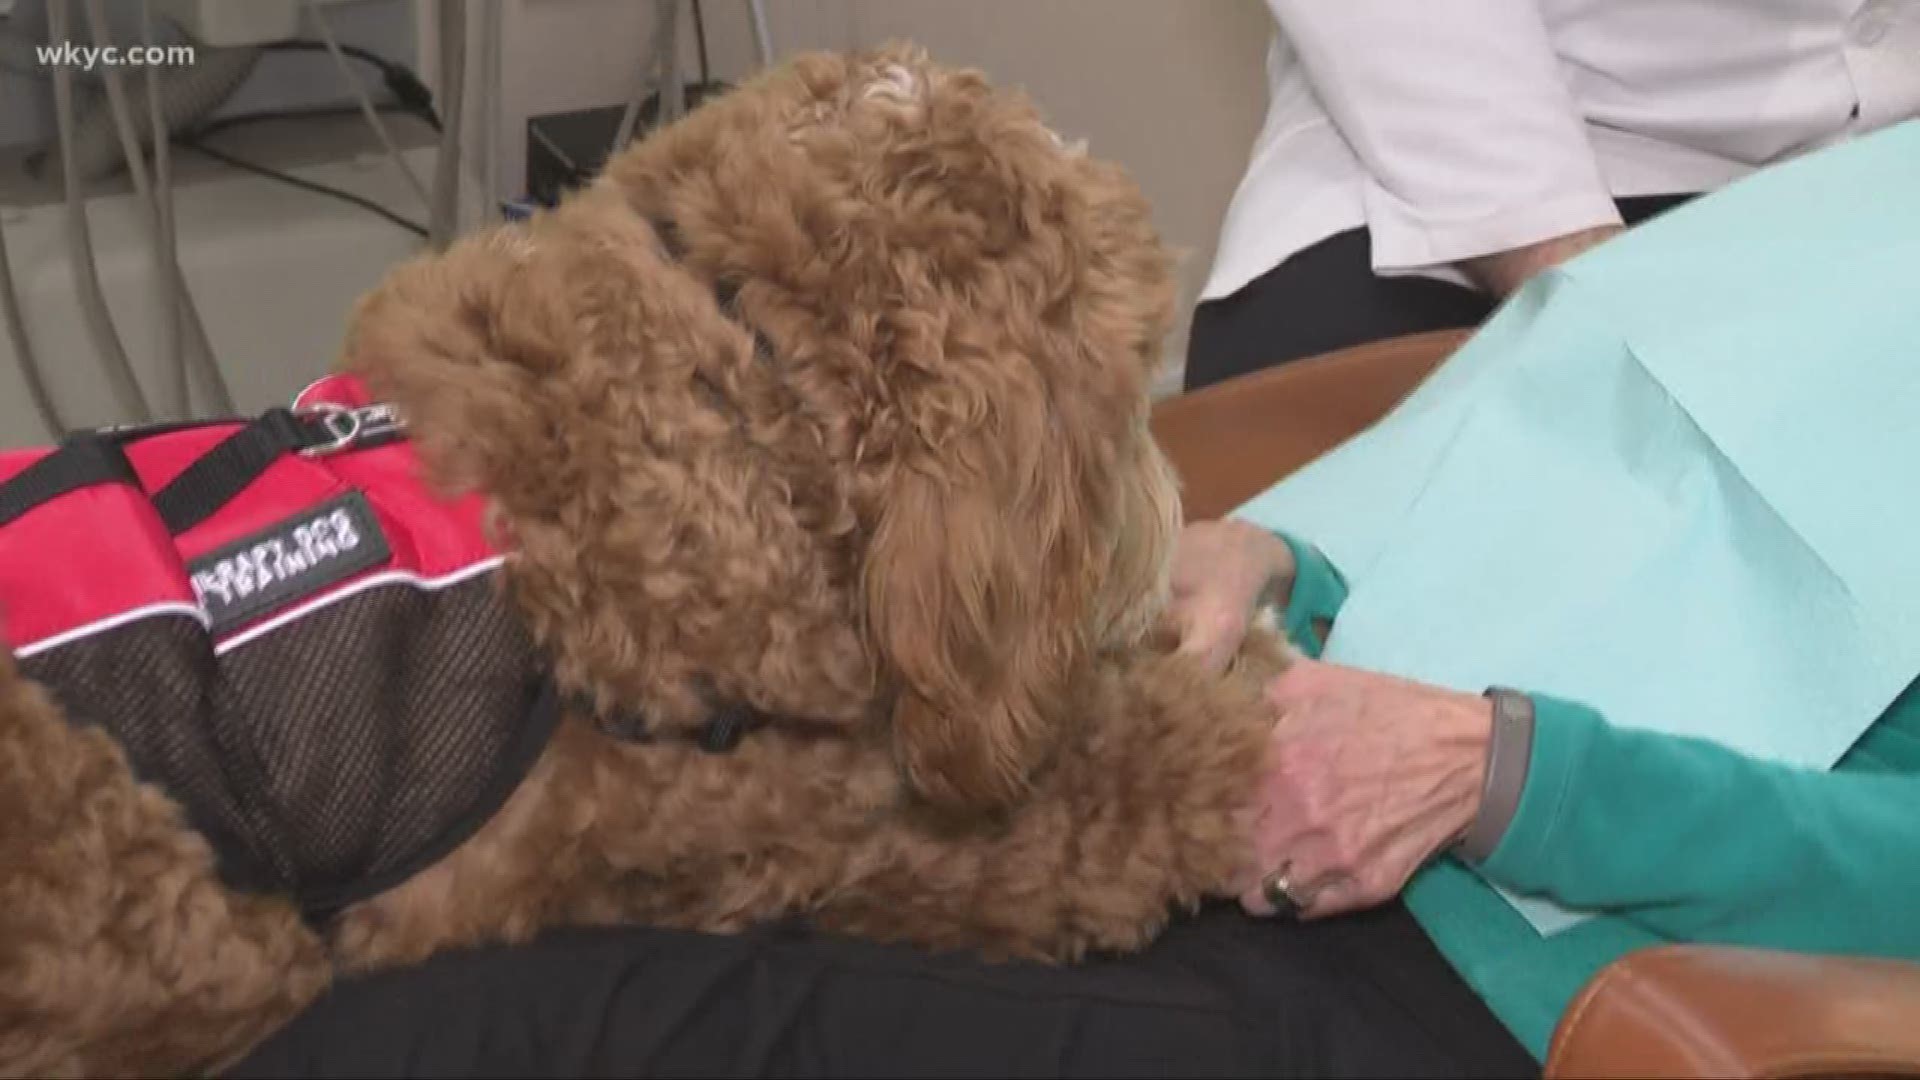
x: 921, y: 520
x: 121, y: 954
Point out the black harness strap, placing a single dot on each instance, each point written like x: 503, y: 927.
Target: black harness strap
x: 727, y: 724
x: 90, y: 458
x: 210, y: 483
x: 83, y: 460
x: 225, y: 471
x: 730, y: 723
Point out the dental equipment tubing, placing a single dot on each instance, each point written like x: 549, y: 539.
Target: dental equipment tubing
x: 173, y: 101
x: 174, y: 300
x: 445, y: 219
x: 93, y: 302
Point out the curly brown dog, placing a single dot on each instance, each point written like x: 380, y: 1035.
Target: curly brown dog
x: 830, y: 400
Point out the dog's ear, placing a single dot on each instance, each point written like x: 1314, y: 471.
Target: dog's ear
x: 976, y: 586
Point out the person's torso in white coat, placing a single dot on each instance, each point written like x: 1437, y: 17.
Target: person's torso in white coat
x: 1456, y: 128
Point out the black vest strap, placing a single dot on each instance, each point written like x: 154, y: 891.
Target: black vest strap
x: 83, y: 460
x: 87, y: 458
x: 225, y: 471
x: 726, y: 726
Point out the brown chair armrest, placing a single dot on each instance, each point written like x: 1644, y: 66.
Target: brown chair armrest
x: 1707, y: 1011
x: 1231, y: 441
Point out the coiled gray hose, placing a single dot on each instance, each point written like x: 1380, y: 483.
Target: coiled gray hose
x: 446, y: 171
x: 662, y: 71
x: 490, y: 62
x: 43, y: 402
x: 166, y: 255
x: 86, y: 275
x: 94, y: 145
x: 762, y: 37
x: 156, y: 203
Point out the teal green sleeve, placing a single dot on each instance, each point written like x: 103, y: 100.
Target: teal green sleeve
x: 1697, y: 842
x: 1318, y: 592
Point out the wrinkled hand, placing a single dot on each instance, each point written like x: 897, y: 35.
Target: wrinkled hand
x: 1367, y: 777
x: 1222, y: 572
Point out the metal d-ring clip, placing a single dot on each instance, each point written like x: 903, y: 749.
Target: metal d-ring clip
x: 347, y: 425
x: 340, y: 423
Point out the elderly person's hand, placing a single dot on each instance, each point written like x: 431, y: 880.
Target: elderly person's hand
x: 1222, y: 572
x: 1368, y: 776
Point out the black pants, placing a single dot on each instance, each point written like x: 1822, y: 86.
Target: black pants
x: 1220, y: 995
x: 1327, y: 297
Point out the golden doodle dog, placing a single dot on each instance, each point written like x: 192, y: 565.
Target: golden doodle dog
x: 829, y: 401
